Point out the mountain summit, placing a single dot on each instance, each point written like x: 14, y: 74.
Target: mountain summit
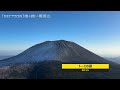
x: 43, y: 61
x: 60, y: 50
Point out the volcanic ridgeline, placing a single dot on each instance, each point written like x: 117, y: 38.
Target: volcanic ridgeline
x: 60, y: 50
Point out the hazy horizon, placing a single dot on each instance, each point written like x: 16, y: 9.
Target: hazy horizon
x: 97, y: 31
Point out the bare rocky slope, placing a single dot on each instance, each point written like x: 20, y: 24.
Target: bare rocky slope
x: 44, y: 61
x: 60, y: 50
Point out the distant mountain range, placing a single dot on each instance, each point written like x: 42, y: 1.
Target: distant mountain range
x: 5, y: 57
x: 44, y: 61
x: 116, y: 59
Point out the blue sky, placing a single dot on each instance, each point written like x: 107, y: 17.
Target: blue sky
x: 98, y: 31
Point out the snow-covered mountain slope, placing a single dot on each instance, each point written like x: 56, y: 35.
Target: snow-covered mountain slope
x: 60, y: 50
